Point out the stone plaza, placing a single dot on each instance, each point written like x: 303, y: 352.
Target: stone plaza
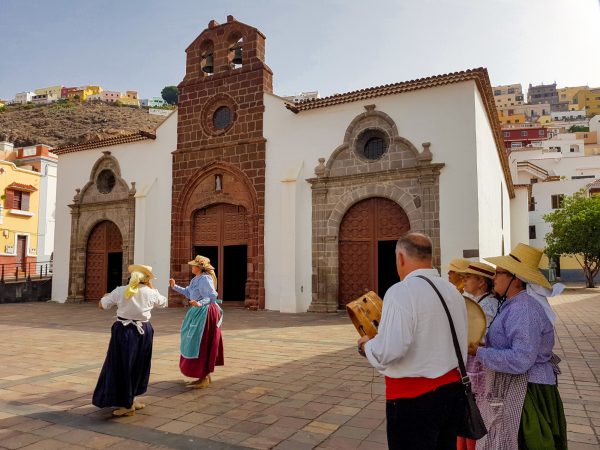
x: 290, y: 381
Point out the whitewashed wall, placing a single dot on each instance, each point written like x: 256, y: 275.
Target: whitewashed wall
x: 445, y: 116
x: 493, y: 201
x: 148, y: 163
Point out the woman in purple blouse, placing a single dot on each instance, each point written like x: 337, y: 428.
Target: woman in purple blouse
x: 522, y: 406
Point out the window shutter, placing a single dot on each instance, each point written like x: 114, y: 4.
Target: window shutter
x: 9, y: 199
x: 25, y: 201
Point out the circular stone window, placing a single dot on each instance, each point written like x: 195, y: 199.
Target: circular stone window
x: 372, y: 144
x: 222, y: 118
x: 106, y: 181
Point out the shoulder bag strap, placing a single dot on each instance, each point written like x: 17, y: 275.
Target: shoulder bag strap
x: 461, y: 365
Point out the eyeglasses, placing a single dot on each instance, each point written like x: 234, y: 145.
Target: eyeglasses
x: 503, y: 272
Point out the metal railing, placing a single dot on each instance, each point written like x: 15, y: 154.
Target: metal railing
x: 25, y: 271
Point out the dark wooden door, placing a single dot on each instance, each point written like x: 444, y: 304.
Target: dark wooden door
x: 367, y: 260
x: 221, y: 231
x: 104, y: 246
x: 21, y: 252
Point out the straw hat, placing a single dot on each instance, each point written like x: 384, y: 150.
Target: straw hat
x: 146, y: 270
x: 479, y: 268
x: 201, y: 261
x: 476, y: 321
x: 458, y: 264
x: 523, y: 261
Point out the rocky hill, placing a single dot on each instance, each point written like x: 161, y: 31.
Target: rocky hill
x: 61, y: 124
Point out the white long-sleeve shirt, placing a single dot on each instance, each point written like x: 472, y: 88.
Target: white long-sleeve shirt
x: 414, y: 338
x: 137, y: 307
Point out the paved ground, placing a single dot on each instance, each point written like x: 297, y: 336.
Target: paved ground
x: 291, y: 381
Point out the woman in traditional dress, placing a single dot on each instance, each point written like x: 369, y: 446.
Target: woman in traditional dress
x: 477, y: 278
x: 522, y: 407
x: 201, y: 341
x: 126, y: 370
x: 454, y: 268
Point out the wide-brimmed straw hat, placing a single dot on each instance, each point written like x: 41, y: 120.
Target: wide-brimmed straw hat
x: 146, y: 270
x: 458, y: 264
x: 201, y: 261
x: 523, y: 261
x: 479, y: 268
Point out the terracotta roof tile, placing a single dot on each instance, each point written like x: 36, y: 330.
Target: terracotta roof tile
x: 479, y: 75
x: 139, y: 136
x: 22, y: 187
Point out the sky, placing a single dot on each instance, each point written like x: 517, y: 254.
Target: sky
x: 332, y: 46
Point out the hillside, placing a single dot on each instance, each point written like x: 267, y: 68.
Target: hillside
x: 71, y: 123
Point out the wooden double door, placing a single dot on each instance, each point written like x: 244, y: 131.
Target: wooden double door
x: 367, y: 242
x: 104, y: 260
x: 220, y: 232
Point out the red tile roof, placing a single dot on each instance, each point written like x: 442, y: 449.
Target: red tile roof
x: 21, y: 187
x: 139, y: 136
x: 479, y: 75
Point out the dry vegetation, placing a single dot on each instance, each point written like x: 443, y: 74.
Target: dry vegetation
x: 61, y: 124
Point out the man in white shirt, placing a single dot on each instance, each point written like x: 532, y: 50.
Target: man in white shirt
x: 413, y: 350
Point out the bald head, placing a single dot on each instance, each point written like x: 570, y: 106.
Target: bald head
x: 415, y: 246
x: 413, y: 251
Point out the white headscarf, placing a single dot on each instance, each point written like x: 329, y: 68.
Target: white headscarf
x: 541, y: 294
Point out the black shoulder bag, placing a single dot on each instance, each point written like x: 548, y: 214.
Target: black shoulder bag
x: 471, y: 425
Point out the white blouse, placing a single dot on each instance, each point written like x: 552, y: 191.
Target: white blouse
x: 137, y: 307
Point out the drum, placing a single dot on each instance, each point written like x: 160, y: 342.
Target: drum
x: 365, y: 313
x: 476, y: 321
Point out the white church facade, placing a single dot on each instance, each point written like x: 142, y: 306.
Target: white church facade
x: 298, y: 205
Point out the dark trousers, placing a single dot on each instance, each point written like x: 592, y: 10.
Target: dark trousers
x: 427, y: 422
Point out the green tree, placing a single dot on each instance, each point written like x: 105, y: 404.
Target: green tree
x: 576, y: 128
x: 170, y: 94
x: 576, y: 232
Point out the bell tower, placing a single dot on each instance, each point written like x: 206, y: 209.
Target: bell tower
x: 219, y: 163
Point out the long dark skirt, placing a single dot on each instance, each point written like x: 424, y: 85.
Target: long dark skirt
x: 211, y: 348
x: 126, y: 369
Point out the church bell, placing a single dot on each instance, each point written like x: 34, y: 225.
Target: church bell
x: 208, y: 66
x: 237, y: 56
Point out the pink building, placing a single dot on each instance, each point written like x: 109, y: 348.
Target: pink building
x: 110, y: 96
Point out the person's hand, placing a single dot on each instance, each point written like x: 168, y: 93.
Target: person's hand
x: 171, y: 282
x: 100, y: 305
x: 193, y: 303
x: 473, y: 349
x: 361, y: 344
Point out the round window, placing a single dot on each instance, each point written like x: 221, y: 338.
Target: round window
x: 372, y: 144
x: 222, y: 118
x: 106, y: 181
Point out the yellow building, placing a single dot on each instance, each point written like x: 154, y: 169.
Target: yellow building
x: 588, y: 99
x: 566, y: 95
x: 52, y: 91
x: 506, y: 119
x: 130, y: 98
x: 18, y: 217
x: 83, y: 93
x: 545, y: 119
x: 2, y: 103
x: 92, y: 90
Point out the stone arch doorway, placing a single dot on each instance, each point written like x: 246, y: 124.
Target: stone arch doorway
x: 367, y: 239
x: 104, y: 260
x: 220, y: 232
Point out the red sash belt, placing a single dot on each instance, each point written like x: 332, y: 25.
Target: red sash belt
x: 410, y: 387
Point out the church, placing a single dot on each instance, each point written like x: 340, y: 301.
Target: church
x: 298, y: 205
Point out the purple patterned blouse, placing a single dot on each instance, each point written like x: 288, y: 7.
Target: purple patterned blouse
x: 520, y: 338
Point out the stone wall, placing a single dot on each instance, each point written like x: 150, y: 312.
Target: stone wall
x: 92, y: 205
x: 402, y: 174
